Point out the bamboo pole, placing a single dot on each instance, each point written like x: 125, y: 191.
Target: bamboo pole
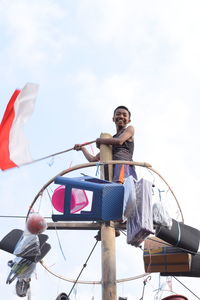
x: 108, y: 255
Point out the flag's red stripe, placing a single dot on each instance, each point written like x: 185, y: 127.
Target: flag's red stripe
x: 5, y: 127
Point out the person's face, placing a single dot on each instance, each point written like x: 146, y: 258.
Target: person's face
x: 121, y: 117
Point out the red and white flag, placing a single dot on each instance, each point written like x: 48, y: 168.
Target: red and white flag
x: 14, y: 149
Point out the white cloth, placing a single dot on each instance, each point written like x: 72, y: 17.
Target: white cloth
x: 129, y: 197
x: 140, y: 224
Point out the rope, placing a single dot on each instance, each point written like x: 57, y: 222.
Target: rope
x: 59, y: 243
x: 150, y: 168
x: 187, y: 288
x: 84, y: 266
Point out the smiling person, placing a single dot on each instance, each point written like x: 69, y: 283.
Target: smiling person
x: 122, y: 145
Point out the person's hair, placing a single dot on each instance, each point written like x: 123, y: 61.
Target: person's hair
x: 123, y: 107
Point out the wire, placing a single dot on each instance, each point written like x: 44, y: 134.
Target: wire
x: 59, y: 242
x: 172, y: 192
x: 186, y: 288
x: 85, y: 264
x: 20, y: 217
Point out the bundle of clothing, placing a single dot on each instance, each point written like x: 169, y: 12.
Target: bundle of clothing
x: 137, y: 210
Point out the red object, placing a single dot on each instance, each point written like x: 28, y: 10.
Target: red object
x: 14, y: 149
x: 36, y: 224
x: 175, y: 297
x: 5, y: 127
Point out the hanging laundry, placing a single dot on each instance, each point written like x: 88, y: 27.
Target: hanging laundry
x: 129, y: 205
x: 140, y: 225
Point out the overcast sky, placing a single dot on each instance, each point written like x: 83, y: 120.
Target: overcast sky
x: 89, y: 57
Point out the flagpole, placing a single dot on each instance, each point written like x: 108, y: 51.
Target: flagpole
x: 51, y: 155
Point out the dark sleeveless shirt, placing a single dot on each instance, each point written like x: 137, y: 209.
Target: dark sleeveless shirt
x: 124, y: 151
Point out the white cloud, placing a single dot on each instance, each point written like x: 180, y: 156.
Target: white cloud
x: 31, y: 30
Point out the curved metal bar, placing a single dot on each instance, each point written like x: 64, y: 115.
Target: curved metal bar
x: 92, y: 164
x: 81, y: 166
x: 89, y: 281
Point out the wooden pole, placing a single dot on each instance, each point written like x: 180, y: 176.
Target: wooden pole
x: 108, y: 256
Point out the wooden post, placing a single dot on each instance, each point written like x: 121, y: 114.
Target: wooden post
x: 108, y: 256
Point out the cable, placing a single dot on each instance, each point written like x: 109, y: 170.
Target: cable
x: 59, y: 243
x: 85, y: 264
x: 20, y: 217
x: 187, y: 288
x: 172, y: 192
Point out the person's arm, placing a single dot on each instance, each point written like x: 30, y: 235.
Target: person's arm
x: 87, y: 155
x: 126, y: 135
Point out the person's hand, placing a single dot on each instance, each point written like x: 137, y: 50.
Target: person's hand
x: 77, y: 147
x: 98, y: 143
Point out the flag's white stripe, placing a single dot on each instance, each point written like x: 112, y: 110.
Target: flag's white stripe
x: 23, y: 106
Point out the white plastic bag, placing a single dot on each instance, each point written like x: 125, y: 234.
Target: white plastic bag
x: 28, y: 245
x: 161, y: 216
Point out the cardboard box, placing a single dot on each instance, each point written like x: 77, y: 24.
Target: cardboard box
x: 160, y: 256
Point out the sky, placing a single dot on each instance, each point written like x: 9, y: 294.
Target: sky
x: 88, y: 57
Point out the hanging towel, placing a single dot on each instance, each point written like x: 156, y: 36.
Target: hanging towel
x: 140, y: 225
x: 129, y: 197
